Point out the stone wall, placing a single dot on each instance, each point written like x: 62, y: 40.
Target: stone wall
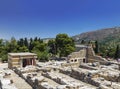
x: 85, y: 66
x: 70, y: 64
x: 85, y: 77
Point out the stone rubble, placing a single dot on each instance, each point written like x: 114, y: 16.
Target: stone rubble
x: 63, y: 75
x: 10, y: 80
x: 6, y: 83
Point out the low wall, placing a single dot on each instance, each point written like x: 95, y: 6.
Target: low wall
x: 87, y: 67
x: 81, y: 76
x: 70, y: 64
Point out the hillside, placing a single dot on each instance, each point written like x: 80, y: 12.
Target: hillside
x: 104, y: 35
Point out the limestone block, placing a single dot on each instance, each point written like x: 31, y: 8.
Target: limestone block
x: 104, y: 87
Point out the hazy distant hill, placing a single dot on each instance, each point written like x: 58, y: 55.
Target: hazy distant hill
x: 104, y: 35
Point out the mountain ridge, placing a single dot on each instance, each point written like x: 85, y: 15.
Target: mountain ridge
x: 101, y: 35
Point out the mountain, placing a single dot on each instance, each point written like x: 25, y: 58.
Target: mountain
x: 104, y: 35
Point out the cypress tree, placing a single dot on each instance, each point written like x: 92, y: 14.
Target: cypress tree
x: 26, y: 42
x: 21, y: 42
x: 31, y: 45
x: 117, y: 53
x: 96, y: 47
x: 35, y: 39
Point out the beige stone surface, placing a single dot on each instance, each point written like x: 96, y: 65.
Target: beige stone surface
x: 17, y: 81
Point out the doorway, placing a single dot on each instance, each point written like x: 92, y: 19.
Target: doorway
x: 84, y: 60
x: 24, y: 62
x: 27, y: 62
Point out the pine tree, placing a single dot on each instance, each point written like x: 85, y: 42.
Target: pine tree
x: 64, y: 44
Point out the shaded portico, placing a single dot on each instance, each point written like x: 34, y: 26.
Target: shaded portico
x: 21, y: 59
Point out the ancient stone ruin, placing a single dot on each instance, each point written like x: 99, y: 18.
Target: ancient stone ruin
x: 81, y: 70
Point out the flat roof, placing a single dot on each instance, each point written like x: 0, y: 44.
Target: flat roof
x: 22, y: 54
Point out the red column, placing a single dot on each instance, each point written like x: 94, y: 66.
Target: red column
x: 34, y: 62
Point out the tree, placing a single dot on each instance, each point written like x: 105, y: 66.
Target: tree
x: 1, y: 45
x: 41, y: 50
x: 23, y: 49
x: 3, y: 55
x: 6, y: 47
x: 52, y: 47
x: 41, y: 41
x: 39, y: 46
x: 117, y: 52
x: 31, y: 45
x: 43, y: 56
x: 96, y: 47
x: 35, y: 39
x: 65, y: 45
x: 12, y: 45
x: 26, y: 42
x: 21, y: 42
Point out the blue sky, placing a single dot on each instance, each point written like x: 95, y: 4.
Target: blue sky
x: 46, y: 18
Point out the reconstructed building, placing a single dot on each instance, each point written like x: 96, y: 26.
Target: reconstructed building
x: 21, y: 59
x: 85, y: 55
x: 81, y: 55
